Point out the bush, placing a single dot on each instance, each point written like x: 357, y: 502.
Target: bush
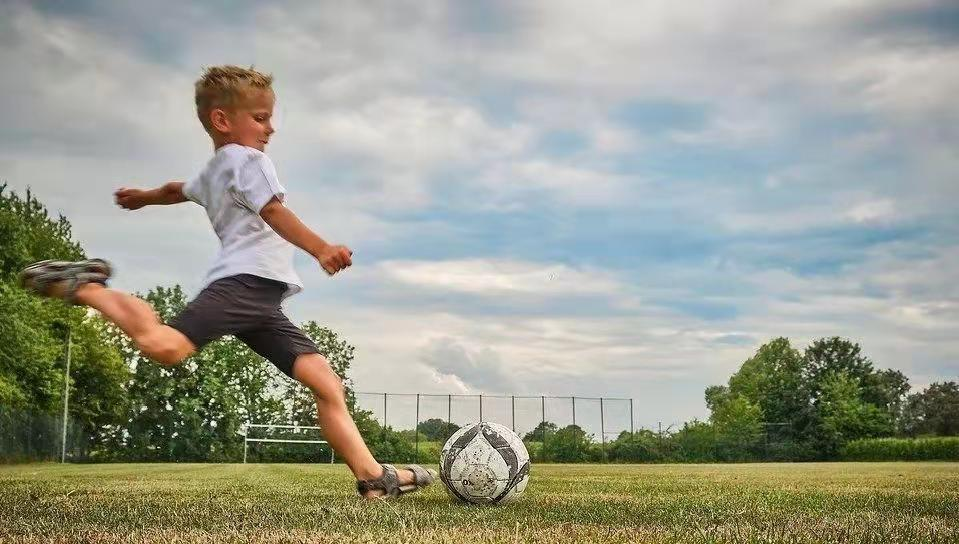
x: 902, y: 449
x: 570, y: 444
x: 429, y: 452
x: 640, y: 447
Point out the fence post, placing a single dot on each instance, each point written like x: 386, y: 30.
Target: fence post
x: 574, y: 411
x: 416, y: 432
x: 602, y: 426
x: 66, y: 399
x: 543, y: 455
x: 631, y: 418
x: 383, y: 437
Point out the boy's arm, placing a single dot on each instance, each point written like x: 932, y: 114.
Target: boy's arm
x: 288, y: 225
x: 134, y: 199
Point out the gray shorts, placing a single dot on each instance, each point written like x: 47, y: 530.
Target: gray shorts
x: 248, y: 307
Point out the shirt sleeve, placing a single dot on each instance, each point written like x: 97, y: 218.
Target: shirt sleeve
x: 190, y: 190
x: 257, y: 184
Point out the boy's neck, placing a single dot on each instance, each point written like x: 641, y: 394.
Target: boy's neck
x: 218, y: 143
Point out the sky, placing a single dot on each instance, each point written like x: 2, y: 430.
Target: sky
x: 619, y: 199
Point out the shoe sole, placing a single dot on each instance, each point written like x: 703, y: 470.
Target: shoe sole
x: 46, y: 278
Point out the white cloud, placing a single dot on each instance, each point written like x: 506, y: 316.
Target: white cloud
x: 573, y: 186
x: 496, y: 277
x: 872, y: 211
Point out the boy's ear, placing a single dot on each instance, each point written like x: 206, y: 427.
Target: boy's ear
x: 220, y: 120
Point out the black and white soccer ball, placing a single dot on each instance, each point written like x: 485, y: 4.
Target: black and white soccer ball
x: 485, y: 463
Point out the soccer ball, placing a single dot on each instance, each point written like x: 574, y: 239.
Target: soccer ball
x: 485, y: 463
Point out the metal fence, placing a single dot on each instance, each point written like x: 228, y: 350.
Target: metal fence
x: 604, y: 418
x: 30, y: 436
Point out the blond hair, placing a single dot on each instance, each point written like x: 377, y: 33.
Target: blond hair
x: 227, y: 87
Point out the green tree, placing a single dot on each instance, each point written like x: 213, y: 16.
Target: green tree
x: 934, y: 411
x: 827, y: 357
x: 643, y: 446
x: 887, y: 389
x: 340, y: 354
x: 195, y: 411
x: 773, y: 380
x: 844, y: 415
x: 543, y: 427
x: 437, y: 429
x: 570, y: 444
x: 384, y: 443
x: 695, y: 442
x: 738, y: 424
x: 34, y: 330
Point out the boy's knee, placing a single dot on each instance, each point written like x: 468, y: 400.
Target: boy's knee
x: 168, y: 357
x: 165, y: 349
x: 315, y: 372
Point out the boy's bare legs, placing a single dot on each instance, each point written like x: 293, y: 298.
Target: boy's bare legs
x: 337, y: 426
x: 135, y: 317
x: 169, y: 346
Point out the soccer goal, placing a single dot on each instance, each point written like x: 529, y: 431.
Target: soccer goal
x: 296, y: 428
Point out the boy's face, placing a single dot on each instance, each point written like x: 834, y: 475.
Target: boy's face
x: 250, y: 123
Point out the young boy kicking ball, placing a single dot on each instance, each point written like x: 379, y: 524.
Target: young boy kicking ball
x: 253, y: 272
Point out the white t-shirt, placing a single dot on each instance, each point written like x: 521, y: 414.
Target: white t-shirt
x: 233, y: 187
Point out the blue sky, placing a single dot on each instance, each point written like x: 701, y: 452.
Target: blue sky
x: 622, y: 199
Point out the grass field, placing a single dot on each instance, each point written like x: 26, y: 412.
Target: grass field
x: 169, y: 503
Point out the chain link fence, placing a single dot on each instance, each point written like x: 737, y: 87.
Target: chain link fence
x: 30, y: 436
x: 430, y: 419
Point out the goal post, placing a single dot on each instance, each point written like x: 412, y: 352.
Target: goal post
x: 247, y: 439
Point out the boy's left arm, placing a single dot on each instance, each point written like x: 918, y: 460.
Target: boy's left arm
x: 134, y: 199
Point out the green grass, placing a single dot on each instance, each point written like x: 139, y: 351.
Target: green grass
x: 169, y: 503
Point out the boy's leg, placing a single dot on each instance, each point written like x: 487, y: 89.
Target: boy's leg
x: 137, y: 319
x: 338, y: 427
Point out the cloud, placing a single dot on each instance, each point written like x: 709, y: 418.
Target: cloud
x: 496, y: 278
x: 481, y: 370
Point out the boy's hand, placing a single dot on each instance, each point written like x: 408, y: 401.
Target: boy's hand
x: 335, y: 258
x: 131, y: 199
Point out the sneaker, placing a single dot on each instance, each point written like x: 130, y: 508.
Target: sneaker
x: 61, y: 279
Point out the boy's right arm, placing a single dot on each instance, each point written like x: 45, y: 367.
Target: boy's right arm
x: 332, y: 258
x: 134, y: 199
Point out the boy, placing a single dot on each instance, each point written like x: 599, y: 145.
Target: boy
x: 252, y: 274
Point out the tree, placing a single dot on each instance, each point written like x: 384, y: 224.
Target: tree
x: 31, y: 346
x: 695, y: 442
x: 773, y: 380
x: 765, y: 400
x: 384, y: 443
x: 339, y: 353
x: 827, y: 357
x: 738, y: 424
x: 544, y: 428
x: 570, y: 444
x: 34, y: 329
x: 933, y: 411
x: 195, y: 411
x: 437, y: 429
x: 844, y: 415
x: 637, y: 447
x: 28, y: 234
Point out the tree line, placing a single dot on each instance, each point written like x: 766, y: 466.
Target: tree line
x: 782, y: 403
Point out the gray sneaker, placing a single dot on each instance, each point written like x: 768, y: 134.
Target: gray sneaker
x: 61, y: 279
